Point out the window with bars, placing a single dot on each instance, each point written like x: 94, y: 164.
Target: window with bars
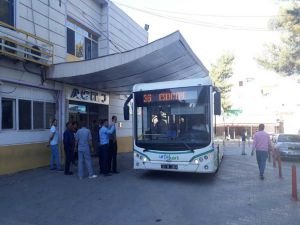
x: 30, y: 114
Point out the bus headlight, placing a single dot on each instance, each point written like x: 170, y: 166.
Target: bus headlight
x: 196, y: 161
x: 137, y: 155
x: 206, y: 157
x: 201, y: 159
x: 144, y: 159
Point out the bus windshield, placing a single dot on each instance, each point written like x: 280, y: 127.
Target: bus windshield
x: 173, y: 119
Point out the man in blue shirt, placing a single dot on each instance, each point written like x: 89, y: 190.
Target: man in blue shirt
x: 104, y: 134
x: 113, y: 148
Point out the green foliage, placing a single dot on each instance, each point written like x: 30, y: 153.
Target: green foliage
x: 220, y: 73
x: 284, y: 58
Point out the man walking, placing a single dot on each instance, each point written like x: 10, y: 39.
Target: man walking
x: 104, y: 134
x: 262, y: 144
x: 84, y: 141
x: 53, y: 143
x: 69, y: 145
x: 113, y: 148
x: 243, y: 137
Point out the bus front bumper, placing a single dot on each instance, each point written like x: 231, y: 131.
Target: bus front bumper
x: 205, y: 167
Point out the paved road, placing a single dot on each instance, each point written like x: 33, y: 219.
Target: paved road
x: 234, y: 195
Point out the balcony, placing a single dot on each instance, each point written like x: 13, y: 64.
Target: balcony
x: 20, y: 45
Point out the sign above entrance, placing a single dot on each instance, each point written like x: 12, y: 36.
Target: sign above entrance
x: 84, y: 95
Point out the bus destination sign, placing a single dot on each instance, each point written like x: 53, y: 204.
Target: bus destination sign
x: 163, y: 97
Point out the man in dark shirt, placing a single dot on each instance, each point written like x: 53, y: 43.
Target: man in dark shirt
x: 113, y: 148
x: 69, y: 144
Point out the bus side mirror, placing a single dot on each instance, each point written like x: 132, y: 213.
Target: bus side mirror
x: 217, y: 103
x: 126, y: 112
x: 126, y: 108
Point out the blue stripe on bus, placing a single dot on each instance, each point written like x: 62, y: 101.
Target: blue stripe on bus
x: 209, y: 151
x: 153, y: 151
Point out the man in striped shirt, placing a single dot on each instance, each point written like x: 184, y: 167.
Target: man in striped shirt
x: 262, y: 144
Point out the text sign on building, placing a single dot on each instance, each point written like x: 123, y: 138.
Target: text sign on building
x: 85, y: 95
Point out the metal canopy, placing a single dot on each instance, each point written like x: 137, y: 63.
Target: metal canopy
x: 169, y: 58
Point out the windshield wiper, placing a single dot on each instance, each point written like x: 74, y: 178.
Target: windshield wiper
x: 189, y: 147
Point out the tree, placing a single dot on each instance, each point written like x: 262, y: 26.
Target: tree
x: 284, y: 57
x: 220, y: 73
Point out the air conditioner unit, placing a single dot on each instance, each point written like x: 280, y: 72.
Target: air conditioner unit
x: 11, y: 48
x: 7, y: 46
x: 38, y: 54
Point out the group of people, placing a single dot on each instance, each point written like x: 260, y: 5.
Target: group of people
x: 105, y: 146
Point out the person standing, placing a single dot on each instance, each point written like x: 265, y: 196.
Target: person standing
x: 53, y: 143
x: 75, y: 152
x: 84, y: 140
x: 113, y: 148
x: 104, y: 134
x: 262, y: 144
x: 69, y: 145
x: 243, y: 137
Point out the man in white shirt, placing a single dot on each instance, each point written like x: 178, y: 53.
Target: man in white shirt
x: 53, y: 143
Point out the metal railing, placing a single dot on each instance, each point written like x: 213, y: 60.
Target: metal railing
x: 21, y: 45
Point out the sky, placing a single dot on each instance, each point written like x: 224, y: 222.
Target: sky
x: 211, y: 27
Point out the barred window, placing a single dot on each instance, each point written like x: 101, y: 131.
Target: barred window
x: 38, y: 115
x: 50, y: 114
x: 24, y: 115
x: 8, y: 113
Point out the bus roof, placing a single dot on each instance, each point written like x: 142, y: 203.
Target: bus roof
x: 172, y: 84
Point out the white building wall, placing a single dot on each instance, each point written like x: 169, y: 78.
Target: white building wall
x: 46, y: 19
x: 124, y: 33
x: 104, y: 40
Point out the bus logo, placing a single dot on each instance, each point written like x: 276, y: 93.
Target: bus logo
x: 168, y: 157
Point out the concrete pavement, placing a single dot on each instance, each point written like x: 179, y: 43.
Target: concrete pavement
x: 234, y: 195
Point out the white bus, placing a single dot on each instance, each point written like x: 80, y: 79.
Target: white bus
x: 174, y: 125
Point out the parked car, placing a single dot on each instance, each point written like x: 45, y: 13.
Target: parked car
x: 288, y: 145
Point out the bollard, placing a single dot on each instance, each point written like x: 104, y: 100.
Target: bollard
x: 279, y: 166
x: 294, y: 183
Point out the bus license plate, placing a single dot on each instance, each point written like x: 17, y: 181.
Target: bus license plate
x: 169, y: 166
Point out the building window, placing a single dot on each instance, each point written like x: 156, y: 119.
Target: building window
x: 7, y: 12
x: 38, y: 115
x: 8, y: 113
x: 50, y: 114
x: 80, y: 42
x: 24, y: 115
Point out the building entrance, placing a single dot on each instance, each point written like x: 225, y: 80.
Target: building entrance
x: 83, y: 111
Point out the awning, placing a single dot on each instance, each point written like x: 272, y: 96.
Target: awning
x: 169, y: 58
